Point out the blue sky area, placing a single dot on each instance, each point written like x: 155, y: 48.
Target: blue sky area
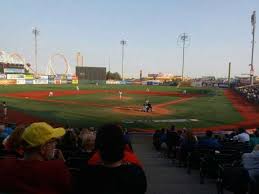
x: 220, y: 32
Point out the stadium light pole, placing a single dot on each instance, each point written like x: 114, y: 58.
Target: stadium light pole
x: 253, y: 22
x: 184, y: 41
x: 123, y: 43
x: 36, y: 32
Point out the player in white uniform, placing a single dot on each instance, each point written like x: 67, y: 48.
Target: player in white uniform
x: 77, y: 88
x: 120, y: 93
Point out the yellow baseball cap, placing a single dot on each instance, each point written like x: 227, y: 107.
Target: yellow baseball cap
x: 39, y: 133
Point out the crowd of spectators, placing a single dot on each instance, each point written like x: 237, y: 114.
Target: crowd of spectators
x: 233, y: 159
x: 40, y: 159
x: 251, y: 93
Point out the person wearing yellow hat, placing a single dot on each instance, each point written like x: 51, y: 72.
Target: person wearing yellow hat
x: 40, y: 172
x: 40, y: 141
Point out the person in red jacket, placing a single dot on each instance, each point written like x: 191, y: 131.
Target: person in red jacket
x: 39, y: 172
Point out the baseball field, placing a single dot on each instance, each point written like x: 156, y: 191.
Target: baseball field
x: 94, y: 105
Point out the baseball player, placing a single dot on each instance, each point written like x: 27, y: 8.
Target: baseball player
x: 50, y: 93
x: 77, y: 88
x: 5, y: 109
x: 120, y: 93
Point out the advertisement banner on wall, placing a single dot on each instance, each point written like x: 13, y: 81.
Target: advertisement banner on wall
x: 13, y: 70
x: 58, y: 77
x: 20, y: 81
x: 69, y: 77
x: 7, y: 82
x: 28, y: 76
x: 74, y: 81
x: 51, y: 81
x: 40, y: 81
x: 69, y: 81
x: 51, y: 77
x: 44, y: 77
x: 15, y: 76
x: 223, y: 85
x: 2, y: 76
x: 57, y: 81
x: 28, y: 81
x: 63, y: 81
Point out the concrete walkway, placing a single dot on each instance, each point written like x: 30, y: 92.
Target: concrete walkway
x: 162, y: 175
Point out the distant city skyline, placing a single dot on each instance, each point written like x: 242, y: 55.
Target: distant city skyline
x: 220, y: 33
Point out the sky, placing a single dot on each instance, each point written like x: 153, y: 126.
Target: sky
x: 219, y: 30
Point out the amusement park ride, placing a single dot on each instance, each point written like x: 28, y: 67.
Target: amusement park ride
x: 15, y: 58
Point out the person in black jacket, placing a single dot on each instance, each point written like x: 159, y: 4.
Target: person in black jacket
x: 172, y: 140
x: 113, y: 176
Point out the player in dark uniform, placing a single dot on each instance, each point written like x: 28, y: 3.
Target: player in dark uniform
x: 4, y: 109
x: 147, y: 106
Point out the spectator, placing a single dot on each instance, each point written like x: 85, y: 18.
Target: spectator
x: 4, y: 109
x: 180, y: 134
x: 188, y: 145
x: 189, y: 141
x: 127, y: 139
x: 156, y: 139
x: 254, y: 140
x: 5, y: 131
x: 13, y: 142
x: 172, y: 140
x: 38, y: 173
x: 88, y: 143
x: 78, y: 159
x: 209, y: 141
x: 242, y: 136
x: 114, y: 175
x: 69, y: 143
x: 251, y: 162
x: 128, y: 155
x: 163, y: 136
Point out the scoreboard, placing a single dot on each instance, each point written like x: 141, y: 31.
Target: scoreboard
x: 91, y: 73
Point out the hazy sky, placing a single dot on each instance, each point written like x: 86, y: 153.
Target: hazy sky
x: 220, y: 32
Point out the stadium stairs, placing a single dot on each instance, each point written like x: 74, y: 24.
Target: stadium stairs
x: 162, y: 174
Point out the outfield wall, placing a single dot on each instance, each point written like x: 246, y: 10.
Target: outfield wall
x: 20, y: 79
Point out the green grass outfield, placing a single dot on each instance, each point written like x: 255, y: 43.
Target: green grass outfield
x: 212, y: 109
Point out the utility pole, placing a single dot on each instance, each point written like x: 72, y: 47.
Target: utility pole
x: 36, y: 32
x: 184, y: 41
x: 229, y: 70
x: 183, y: 53
x: 123, y: 43
x: 253, y: 22
x: 109, y: 64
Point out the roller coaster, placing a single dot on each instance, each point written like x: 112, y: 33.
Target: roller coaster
x: 15, y: 58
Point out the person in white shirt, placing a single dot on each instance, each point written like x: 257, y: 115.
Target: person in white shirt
x: 120, y: 93
x: 242, y: 136
x: 77, y: 88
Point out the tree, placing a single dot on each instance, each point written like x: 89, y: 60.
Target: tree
x: 113, y: 76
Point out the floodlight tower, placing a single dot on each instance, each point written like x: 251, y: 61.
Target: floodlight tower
x: 253, y: 22
x: 184, y: 41
x: 123, y: 43
x: 35, y: 33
